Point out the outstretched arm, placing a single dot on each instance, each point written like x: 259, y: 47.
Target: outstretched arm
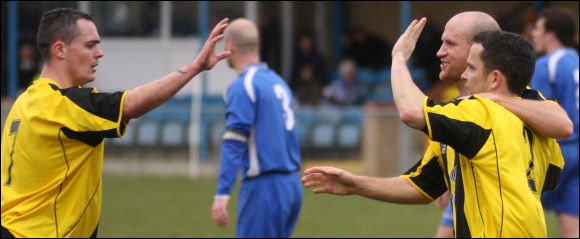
x: 544, y: 117
x: 408, y: 97
x: 147, y: 97
x: 340, y: 182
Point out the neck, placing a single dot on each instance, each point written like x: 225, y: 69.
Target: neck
x: 461, y: 87
x: 552, y: 46
x: 241, y: 62
x: 58, y: 76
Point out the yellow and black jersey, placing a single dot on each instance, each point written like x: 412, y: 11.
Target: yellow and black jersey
x: 494, y: 166
x: 52, y: 157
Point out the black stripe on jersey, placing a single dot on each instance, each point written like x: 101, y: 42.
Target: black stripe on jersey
x: 465, y: 137
x: 92, y: 138
x: 431, y: 179
x: 104, y: 105
x: 552, y: 178
x: 445, y: 167
x: 461, y: 226
x: 431, y: 103
x: 531, y: 95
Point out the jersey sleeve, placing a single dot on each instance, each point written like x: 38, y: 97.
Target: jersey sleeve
x: 87, y: 114
x: 240, y: 116
x: 459, y: 123
x: 428, y: 175
x: 541, y: 80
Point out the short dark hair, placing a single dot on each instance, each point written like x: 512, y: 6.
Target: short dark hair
x: 511, y: 54
x: 58, y: 24
x: 562, y: 22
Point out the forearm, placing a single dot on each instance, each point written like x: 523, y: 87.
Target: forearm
x: 544, y: 117
x: 230, y: 163
x: 408, y: 97
x: 393, y: 190
x: 145, y: 98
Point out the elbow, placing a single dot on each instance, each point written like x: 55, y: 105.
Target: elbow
x: 130, y: 112
x: 411, y: 118
x: 568, y: 129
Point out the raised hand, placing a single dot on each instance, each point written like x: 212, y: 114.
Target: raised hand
x: 332, y: 180
x: 406, y: 43
x: 207, y: 57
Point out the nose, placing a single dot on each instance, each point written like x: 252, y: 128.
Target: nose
x: 442, y: 51
x: 100, y: 52
x: 464, y: 75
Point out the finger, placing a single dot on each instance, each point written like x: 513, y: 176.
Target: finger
x: 411, y: 25
x: 219, y: 27
x: 420, y: 26
x: 312, y: 184
x: 314, y: 170
x: 223, y: 55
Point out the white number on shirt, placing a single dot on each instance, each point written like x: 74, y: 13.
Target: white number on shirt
x: 283, y: 95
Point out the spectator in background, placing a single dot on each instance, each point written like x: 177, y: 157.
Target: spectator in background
x: 307, y: 54
x: 308, y: 86
x: 346, y: 90
x: 425, y: 55
x: 270, y: 48
x: 366, y: 49
x: 27, y: 66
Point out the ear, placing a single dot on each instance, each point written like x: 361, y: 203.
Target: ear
x: 495, y: 79
x: 59, y: 50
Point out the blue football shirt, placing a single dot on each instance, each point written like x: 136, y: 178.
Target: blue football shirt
x: 260, y: 134
x: 556, y: 77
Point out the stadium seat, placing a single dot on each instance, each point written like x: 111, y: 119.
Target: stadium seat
x: 174, y: 132
x: 382, y: 92
x: 384, y: 76
x: 323, y: 134
x: 349, y: 135
x: 148, y: 132
x: 366, y: 77
x: 419, y: 76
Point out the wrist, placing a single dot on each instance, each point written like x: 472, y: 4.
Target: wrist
x: 192, y: 67
x: 399, y: 58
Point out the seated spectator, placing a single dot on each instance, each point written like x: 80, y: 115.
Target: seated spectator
x: 345, y: 90
x: 308, y: 87
x: 367, y: 50
x: 307, y: 54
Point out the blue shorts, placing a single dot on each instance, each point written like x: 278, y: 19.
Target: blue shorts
x: 565, y: 198
x: 269, y: 205
x: 448, y: 216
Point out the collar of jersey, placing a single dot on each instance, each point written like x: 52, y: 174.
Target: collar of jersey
x: 566, y: 50
x: 45, y: 80
x: 259, y: 65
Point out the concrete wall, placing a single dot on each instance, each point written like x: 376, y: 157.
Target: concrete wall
x: 129, y: 63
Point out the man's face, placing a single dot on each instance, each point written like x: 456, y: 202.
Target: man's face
x: 475, y: 76
x: 454, y: 50
x: 84, y: 53
x: 539, y: 35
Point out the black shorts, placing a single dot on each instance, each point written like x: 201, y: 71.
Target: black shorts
x: 5, y: 233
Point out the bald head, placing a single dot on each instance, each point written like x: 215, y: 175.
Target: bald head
x: 473, y: 22
x: 243, y: 34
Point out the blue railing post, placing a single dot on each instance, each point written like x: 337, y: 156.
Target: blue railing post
x: 12, y: 49
x: 203, y: 35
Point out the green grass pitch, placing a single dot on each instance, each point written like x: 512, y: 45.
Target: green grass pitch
x: 151, y: 206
